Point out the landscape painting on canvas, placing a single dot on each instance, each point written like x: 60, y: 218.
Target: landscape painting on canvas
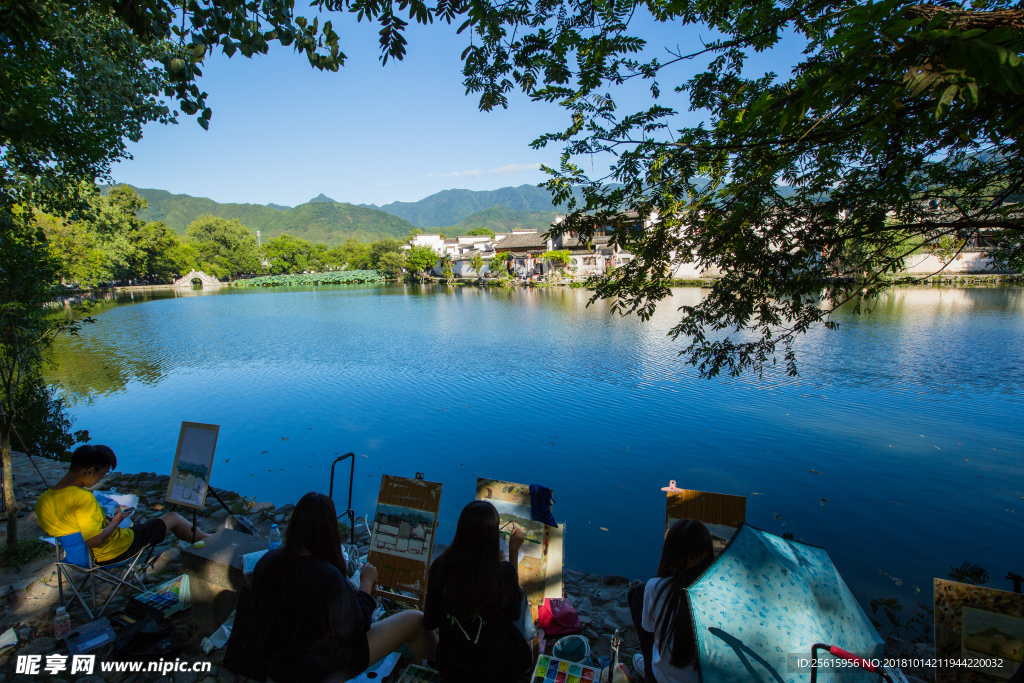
x: 519, y: 514
x: 988, y: 635
x: 403, y: 532
x: 192, y: 464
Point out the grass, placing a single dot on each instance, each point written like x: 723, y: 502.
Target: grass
x: 24, y: 552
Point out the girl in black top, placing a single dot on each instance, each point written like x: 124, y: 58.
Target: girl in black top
x: 312, y: 624
x: 474, y: 600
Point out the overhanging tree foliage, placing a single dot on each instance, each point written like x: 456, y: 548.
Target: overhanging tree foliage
x: 898, y: 131
x: 28, y: 271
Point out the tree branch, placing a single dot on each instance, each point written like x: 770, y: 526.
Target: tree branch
x: 1012, y: 18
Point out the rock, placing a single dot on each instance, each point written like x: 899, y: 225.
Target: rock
x: 39, y: 646
x: 5, y: 591
x: 40, y: 591
x: 278, y: 518
x: 584, y: 619
x: 186, y: 677
x: 90, y: 679
x: 610, y: 625
x: 284, y: 509
x: 260, y: 507
x: 615, y: 580
x: 158, y: 507
x: 21, y: 587
x: 225, y: 676
x: 20, y: 493
x: 219, y: 514
x: 25, y: 634
x: 167, y: 557
x: 602, y: 595
x: 623, y: 616
x: 585, y: 606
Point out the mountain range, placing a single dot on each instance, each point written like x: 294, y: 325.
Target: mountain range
x: 327, y: 222
x: 322, y: 219
x: 451, y: 207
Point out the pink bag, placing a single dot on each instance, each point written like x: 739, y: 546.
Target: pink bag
x: 558, y: 617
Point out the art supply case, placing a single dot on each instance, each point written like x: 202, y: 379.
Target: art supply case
x: 163, y: 601
x: 554, y: 670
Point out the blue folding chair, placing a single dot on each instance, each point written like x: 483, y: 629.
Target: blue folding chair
x: 78, y: 558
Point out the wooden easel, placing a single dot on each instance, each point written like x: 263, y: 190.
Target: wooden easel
x: 539, y: 578
x: 710, y: 508
x: 409, y: 507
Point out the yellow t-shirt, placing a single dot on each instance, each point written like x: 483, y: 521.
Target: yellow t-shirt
x: 72, y: 509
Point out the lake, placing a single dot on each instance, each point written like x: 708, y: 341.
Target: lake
x: 898, y: 448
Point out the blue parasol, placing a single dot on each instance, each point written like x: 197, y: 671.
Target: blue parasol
x: 765, y: 603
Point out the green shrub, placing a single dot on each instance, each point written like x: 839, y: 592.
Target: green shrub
x: 24, y: 551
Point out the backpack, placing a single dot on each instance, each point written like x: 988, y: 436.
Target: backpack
x: 558, y: 617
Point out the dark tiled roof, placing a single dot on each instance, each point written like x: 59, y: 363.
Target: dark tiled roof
x: 532, y: 240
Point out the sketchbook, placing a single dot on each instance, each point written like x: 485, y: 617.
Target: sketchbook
x: 109, y: 502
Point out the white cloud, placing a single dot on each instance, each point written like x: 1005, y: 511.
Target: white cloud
x: 512, y: 169
x: 457, y: 174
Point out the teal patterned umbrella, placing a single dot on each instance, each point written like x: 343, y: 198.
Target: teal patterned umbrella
x: 766, y: 598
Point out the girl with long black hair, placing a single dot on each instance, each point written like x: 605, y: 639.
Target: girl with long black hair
x: 661, y: 607
x: 474, y: 600
x: 311, y: 624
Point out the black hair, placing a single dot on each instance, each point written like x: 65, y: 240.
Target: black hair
x: 97, y: 456
x: 470, y: 568
x: 313, y: 528
x: 686, y: 555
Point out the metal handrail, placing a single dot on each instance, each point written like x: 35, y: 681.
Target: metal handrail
x: 351, y: 478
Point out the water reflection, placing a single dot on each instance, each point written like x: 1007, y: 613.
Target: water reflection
x: 905, y: 420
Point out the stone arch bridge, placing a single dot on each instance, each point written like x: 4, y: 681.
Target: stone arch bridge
x: 204, y: 279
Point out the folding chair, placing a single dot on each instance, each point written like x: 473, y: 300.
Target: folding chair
x: 78, y: 557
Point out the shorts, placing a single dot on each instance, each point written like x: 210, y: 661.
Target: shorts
x: 145, y: 534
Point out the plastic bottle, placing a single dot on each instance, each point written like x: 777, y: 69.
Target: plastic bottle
x: 61, y: 623
x: 275, y: 537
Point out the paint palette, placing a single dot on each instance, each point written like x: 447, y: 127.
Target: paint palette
x: 163, y: 601
x: 415, y: 673
x: 554, y: 670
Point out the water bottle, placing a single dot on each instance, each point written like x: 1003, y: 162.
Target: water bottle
x: 61, y: 623
x: 275, y: 537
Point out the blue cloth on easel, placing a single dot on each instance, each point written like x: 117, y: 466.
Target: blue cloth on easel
x: 540, y: 505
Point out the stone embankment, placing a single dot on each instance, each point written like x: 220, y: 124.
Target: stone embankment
x: 28, y: 594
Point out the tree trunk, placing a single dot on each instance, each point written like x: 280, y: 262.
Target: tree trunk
x: 12, y: 506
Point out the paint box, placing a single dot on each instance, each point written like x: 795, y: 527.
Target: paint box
x: 163, y: 601
x: 553, y: 670
x: 415, y: 673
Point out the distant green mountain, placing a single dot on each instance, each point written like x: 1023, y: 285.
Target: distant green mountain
x: 450, y: 207
x: 322, y: 220
x: 499, y: 218
x: 321, y: 199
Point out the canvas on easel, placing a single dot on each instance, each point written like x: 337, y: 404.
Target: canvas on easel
x: 979, y: 627
x: 540, y: 564
x: 402, y: 536
x: 193, y: 461
x: 721, y: 513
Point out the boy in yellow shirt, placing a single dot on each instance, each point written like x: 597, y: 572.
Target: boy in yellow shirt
x: 68, y: 507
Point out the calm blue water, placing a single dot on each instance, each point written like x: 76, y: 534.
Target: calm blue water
x: 911, y: 415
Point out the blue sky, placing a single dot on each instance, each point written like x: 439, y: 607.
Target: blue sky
x: 283, y: 132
